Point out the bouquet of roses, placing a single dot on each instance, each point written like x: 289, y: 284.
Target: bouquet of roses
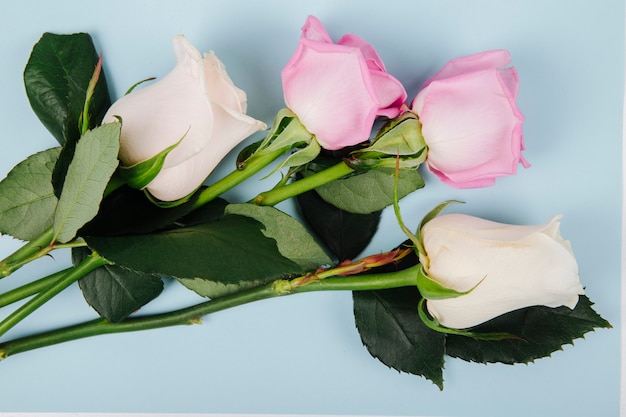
x: 125, y: 192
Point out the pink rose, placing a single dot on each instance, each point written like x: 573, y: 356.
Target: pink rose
x: 470, y: 121
x: 337, y: 90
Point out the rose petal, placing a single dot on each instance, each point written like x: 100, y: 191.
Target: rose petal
x: 471, y: 128
x: 222, y: 89
x: 493, y: 59
x: 320, y: 87
x: 390, y: 92
x: 371, y: 56
x: 315, y: 31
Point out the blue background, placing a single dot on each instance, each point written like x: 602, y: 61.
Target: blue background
x: 302, y: 354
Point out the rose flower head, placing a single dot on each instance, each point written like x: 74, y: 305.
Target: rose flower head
x: 502, y: 268
x: 470, y: 120
x: 196, y: 102
x: 338, y: 89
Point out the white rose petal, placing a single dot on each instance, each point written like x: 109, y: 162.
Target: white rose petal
x: 520, y: 266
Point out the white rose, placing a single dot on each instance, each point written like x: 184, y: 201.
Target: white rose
x: 520, y: 266
x: 198, y: 101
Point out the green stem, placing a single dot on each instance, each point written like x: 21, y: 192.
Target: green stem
x: 30, y: 251
x: 192, y: 315
x: 278, y: 194
x: 35, y: 249
x: 32, y: 288
x: 90, y: 263
x: 253, y: 165
x: 396, y: 209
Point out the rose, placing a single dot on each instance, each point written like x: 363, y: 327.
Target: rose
x: 509, y: 267
x: 337, y: 90
x: 196, y: 101
x: 470, y: 120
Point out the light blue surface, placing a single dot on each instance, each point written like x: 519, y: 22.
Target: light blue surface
x: 302, y: 354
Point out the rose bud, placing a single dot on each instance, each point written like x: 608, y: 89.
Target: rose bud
x: 338, y: 89
x: 470, y: 120
x: 504, y: 268
x: 196, y: 102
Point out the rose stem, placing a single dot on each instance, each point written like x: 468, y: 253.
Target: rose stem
x: 72, y: 275
x: 192, y: 315
x: 278, y: 194
x: 23, y: 254
x: 253, y: 165
x: 32, y: 288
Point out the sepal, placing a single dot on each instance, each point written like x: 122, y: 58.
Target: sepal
x: 137, y: 84
x: 399, y: 141
x: 418, y: 236
x: 142, y: 173
x: 400, y: 136
x: 365, y: 160
x: 432, y: 290
x: 433, y: 324
x: 287, y: 132
x: 84, y: 118
x: 168, y: 204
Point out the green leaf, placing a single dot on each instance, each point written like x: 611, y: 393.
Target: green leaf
x: 127, y: 211
x: 209, y: 212
x: 392, y: 332
x: 27, y: 201
x: 542, y: 331
x: 232, y: 251
x: 56, y: 78
x: 346, y: 234
x: 212, y: 289
x: 369, y: 191
x: 94, y: 162
x: 62, y: 165
x: 292, y: 240
x: 115, y: 292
